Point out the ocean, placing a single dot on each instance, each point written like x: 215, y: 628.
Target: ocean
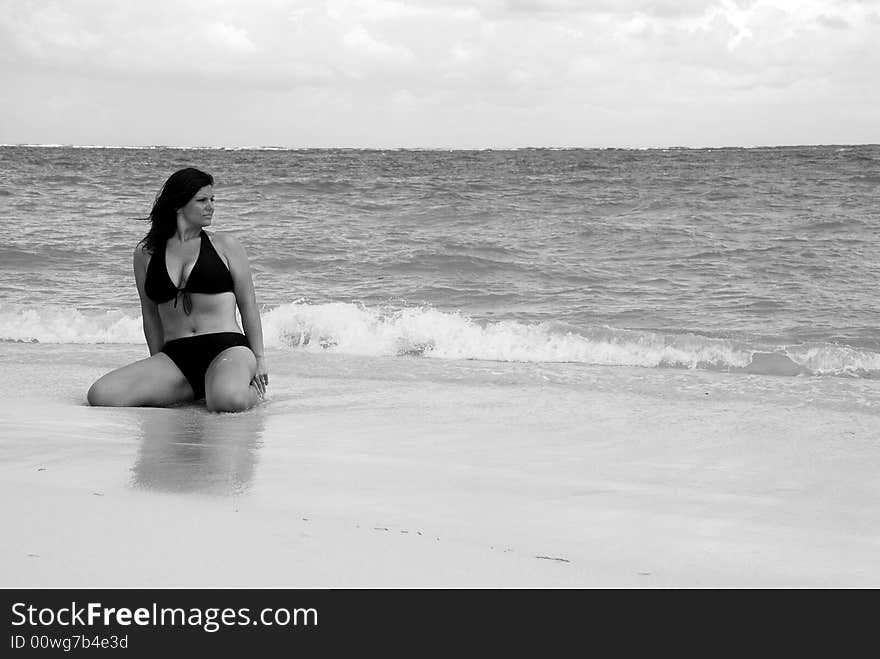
x: 542, y: 263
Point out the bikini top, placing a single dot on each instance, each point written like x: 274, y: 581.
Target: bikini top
x: 209, y: 275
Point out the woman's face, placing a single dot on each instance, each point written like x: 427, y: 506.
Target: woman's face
x: 199, y: 210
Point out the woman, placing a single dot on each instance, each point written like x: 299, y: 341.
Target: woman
x: 189, y: 283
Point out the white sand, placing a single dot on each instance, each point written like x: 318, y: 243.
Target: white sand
x: 352, y: 482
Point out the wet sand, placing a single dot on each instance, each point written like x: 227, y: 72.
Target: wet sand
x: 343, y: 481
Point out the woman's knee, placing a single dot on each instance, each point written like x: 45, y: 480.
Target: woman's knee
x: 103, y: 394
x: 154, y: 381
x: 227, y: 382
x: 230, y: 399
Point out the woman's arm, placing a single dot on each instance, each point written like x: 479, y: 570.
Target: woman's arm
x: 153, y: 331
x: 240, y: 268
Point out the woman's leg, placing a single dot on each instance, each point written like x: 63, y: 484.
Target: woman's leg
x: 228, y: 381
x: 153, y: 382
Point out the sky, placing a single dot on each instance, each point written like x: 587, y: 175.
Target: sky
x: 440, y: 74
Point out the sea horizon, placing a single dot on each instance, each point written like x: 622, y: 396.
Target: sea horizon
x: 438, y: 148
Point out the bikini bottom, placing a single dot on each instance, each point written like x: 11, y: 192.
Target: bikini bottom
x: 194, y: 354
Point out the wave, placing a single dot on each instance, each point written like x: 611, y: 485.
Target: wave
x: 428, y: 332
x: 11, y: 257
x: 59, y: 324
x: 348, y: 328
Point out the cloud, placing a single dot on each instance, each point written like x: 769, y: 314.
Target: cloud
x: 229, y: 37
x: 421, y: 43
x: 834, y: 22
x: 559, y: 57
x: 363, y: 43
x: 649, y: 8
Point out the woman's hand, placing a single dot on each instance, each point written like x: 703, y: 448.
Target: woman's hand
x: 261, y: 377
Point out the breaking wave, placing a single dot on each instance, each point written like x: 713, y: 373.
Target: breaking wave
x: 349, y: 328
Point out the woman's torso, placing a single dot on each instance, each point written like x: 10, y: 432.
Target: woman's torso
x: 196, y: 264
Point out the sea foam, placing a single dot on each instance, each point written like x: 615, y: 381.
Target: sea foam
x: 425, y: 331
x: 349, y: 328
x: 58, y: 324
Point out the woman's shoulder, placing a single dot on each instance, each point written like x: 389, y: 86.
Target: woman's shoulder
x: 224, y: 240
x: 141, y: 253
x: 142, y: 258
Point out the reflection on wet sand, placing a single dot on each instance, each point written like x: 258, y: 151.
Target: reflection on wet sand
x: 191, y: 450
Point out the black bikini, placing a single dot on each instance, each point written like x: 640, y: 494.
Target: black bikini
x: 209, y: 275
x: 194, y: 354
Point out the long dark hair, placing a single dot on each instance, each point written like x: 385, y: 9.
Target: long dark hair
x: 180, y: 187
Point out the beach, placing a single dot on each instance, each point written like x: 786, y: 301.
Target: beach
x: 553, y: 368
x: 382, y: 472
